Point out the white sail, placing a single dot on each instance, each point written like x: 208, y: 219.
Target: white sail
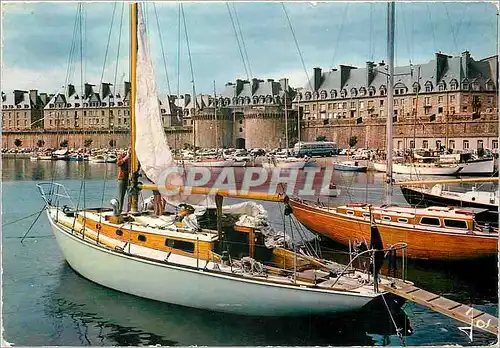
x: 151, y: 144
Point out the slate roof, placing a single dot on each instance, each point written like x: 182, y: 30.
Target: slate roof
x: 443, y: 69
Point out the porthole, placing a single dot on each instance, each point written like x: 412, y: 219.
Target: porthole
x: 119, y: 232
x: 141, y: 238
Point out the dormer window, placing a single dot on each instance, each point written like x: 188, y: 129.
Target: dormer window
x: 362, y: 91
x: 354, y: 92
x: 371, y: 91
x: 104, y: 104
x: 343, y: 93
x: 490, y: 86
x: 442, y: 86
x: 26, y: 106
x: 120, y: 103
x: 475, y: 86
x: 51, y: 106
x: 316, y: 95
x: 308, y: 95
x: 247, y: 100
x: 454, y: 85
x: 269, y: 99
x: 465, y: 85
x: 383, y: 90
x: 323, y: 94
x: 111, y: 104
x: 255, y: 100
x: 235, y: 101
x: 428, y: 86
x: 77, y: 105
x: 333, y: 94
x: 299, y: 96
x: 69, y: 105
x: 262, y: 99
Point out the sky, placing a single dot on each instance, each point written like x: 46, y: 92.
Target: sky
x: 40, y: 50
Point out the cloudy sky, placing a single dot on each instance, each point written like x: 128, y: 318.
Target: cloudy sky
x: 41, y: 52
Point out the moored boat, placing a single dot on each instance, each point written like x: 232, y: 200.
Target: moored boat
x: 436, y: 233
x: 420, y: 168
x: 349, y: 166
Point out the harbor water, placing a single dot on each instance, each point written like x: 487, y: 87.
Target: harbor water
x: 46, y: 303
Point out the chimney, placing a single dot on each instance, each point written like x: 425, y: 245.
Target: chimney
x: 71, y: 90
x: 317, y: 78
x: 44, y: 98
x: 255, y: 85
x: 127, y: 89
x: 441, y: 65
x: 370, y: 73
x: 88, y: 90
x: 239, y: 87
x: 382, y: 63
x: 345, y: 72
x: 18, y: 96
x: 105, y: 89
x: 465, y: 63
x: 4, y: 97
x: 34, y: 96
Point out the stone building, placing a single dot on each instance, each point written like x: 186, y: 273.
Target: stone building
x: 436, y: 96
x: 246, y: 114
x: 23, y: 110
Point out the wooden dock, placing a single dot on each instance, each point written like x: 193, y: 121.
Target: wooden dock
x: 452, y: 309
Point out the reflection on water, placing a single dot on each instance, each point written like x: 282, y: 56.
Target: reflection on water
x: 46, y: 303
x: 102, y: 316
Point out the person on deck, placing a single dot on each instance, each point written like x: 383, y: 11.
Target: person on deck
x: 123, y: 163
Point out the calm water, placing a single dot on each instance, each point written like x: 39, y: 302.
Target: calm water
x: 46, y: 303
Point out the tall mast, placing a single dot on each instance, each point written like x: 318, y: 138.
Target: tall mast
x: 134, y: 164
x: 298, y: 119
x: 390, y: 90
x: 286, y: 120
x: 193, y: 114
x: 216, y: 124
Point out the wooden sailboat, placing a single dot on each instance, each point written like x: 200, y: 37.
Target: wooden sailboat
x: 175, y: 258
x: 431, y: 233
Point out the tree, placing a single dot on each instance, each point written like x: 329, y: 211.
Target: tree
x: 111, y: 143
x: 87, y: 142
x: 64, y: 143
x: 321, y: 138
x: 40, y: 143
x: 18, y: 143
x: 353, y: 141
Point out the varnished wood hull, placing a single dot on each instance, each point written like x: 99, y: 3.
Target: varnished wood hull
x: 422, y: 244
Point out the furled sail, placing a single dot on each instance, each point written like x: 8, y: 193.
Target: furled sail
x: 151, y: 144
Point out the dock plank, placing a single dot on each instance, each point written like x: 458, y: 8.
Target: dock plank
x: 468, y: 315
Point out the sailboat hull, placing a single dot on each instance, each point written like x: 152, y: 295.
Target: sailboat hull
x: 418, y: 170
x: 422, y: 244
x: 478, y: 167
x: 198, y: 288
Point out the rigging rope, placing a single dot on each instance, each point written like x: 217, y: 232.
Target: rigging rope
x: 297, y: 45
x: 107, y: 45
x: 237, y: 40
x: 179, y: 54
x: 451, y: 27
x: 344, y: 17
x: 242, y: 39
x: 188, y: 46
x: 162, y: 49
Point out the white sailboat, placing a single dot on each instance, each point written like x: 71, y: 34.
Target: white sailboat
x: 172, y: 258
x: 419, y: 168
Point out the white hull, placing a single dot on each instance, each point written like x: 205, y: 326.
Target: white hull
x: 197, y: 288
x: 417, y: 169
x: 215, y: 163
x: 285, y: 164
x: 478, y: 167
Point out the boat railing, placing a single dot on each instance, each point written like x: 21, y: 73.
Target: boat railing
x: 53, y: 193
x: 390, y: 253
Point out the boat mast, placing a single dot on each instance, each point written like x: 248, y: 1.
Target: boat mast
x: 286, y: 121
x: 390, y: 91
x: 134, y: 163
x: 216, y: 125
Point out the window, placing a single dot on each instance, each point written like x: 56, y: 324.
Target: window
x: 362, y: 105
x: 451, y: 144
x: 455, y: 223
x: 452, y: 110
x: 475, y: 86
x: 453, y: 85
x: 141, y: 238
x: 440, y: 110
x: 427, y: 101
x: 452, y: 98
x: 403, y: 220
x: 322, y: 107
x: 381, y: 102
x: 428, y: 86
x: 465, y: 86
x: 480, y: 144
x: 466, y: 144
x: 330, y: 106
x: 314, y: 107
x: 412, y: 144
x: 440, y: 99
x: 241, y: 129
x: 438, y: 144
x: 350, y: 212
x: 386, y: 218
x: 490, y: 99
x: 119, y: 232
x: 430, y: 221
x: 425, y: 144
x: 180, y: 245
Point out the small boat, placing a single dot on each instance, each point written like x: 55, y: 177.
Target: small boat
x: 76, y: 158
x: 34, y: 157
x: 45, y: 157
x: 60, y: 155
x: 98, y: 159
x: 349, y: 166
x: 288, y: 162
x: 111, y: 158
x: 213, y: 163
x: 434, y: 233
x: 478, y: 167
x: 436, y: 195
x: 420, y: 168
